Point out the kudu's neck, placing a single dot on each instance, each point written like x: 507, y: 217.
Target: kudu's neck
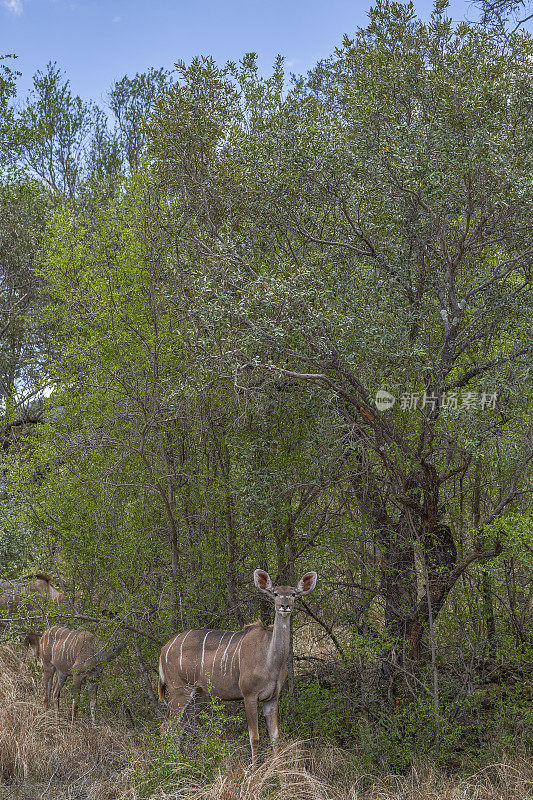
x: 53, y: 592
x: 280, y: 642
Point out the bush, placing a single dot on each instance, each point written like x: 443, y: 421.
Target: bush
x: 175, y: 758
x: 13, y: 552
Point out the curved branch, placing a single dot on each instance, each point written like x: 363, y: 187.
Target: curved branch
x: 326, y: 628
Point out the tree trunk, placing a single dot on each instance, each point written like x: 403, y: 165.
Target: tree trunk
x: 231, y: 553
x: 486, y: 589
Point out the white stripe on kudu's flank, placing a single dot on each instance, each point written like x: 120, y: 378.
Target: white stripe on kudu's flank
x: 224, y: 657
x: 237, y: 651
x: 216, y: 651
x: 181, y: 647
x: 170, y: 645
x: 203, y: 652
x: 66, y: 640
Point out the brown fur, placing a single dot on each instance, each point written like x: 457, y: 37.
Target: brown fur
x: 32, y: 641
x: 14, y: 592
x: 258, y: 623
x: 63, y: 599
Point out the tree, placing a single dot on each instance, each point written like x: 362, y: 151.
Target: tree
x: 501, y: 11
x: 24, y: 211
x: 8, y: 78
x: 371, y: 229
x: 59, y: 127
x: 131, y: 101
x: 222, y: 319
x: 72, y: 158
x: 70, y: 145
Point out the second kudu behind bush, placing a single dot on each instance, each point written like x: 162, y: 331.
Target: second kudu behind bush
x: 25, y: 592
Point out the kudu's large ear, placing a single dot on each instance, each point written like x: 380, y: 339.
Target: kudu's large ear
x: 263, y: 582
x: 306, y: 584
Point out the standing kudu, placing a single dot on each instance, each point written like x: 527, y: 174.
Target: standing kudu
x: 249, y: 664
x: 75, y: 653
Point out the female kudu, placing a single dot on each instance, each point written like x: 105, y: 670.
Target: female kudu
x: 250, y: 664
x: 75, y: 653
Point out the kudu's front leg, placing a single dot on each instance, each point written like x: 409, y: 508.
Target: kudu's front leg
x: 250, y: 705
x: 60, y: 680
x: 48, y: 677
x: 270, y: 711
x: 77, y: 683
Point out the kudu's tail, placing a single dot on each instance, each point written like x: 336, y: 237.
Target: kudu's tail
x: 161, y: 684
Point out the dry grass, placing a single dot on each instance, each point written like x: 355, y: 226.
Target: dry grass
x: 497, y: 782
x: 50, y: 759
x: 296, y: 773
x: 41, y: 760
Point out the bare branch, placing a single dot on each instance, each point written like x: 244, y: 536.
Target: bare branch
x: 502, y: 272
x: 326, y: 628
x: 472, y: 373
x: 512, y: 493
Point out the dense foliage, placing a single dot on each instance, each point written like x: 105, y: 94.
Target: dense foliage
x: 212, y: 307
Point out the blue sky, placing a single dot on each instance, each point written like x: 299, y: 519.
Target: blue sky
x: 98, y: 41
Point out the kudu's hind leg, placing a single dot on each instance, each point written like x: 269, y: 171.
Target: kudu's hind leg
x: 188, y: 715
x: 77, y: 683
x: 61, y: 678
x: 181, y: 708
x: 250, y: 706
x: 48, y: 677
x: 270, y: 711
x: 93, y: 690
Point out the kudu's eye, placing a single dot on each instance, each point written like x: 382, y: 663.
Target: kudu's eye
x: 275, y: 594
x: 293, y: 594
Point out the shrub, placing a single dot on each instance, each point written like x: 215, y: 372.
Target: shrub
x: 176, y: 758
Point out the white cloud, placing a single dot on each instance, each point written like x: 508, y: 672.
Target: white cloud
x: 15, y: 6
